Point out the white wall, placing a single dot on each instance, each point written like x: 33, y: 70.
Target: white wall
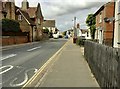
x: 117, y: 25
x: 79, y: 33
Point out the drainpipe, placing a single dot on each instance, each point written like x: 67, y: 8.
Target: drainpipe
x: 32, y: 32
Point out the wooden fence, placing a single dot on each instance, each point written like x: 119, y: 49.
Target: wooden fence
x: 104, y: 62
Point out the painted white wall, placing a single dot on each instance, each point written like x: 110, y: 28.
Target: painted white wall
x: 89, y: 35
x: 117, y: 25
x: 79, y: 33
x: 99, y: 34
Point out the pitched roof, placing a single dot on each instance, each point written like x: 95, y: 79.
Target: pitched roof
x: 49, y: 23
x: 101, y: 8
x: 26, y: 17
x: 31, y: 11
x: 39, y: 10
x: 84, y: 31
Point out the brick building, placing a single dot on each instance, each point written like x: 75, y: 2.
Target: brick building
x: 104, y: 28
x: 30, y: 18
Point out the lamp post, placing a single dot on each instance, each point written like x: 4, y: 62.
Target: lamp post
x: 75, y: 31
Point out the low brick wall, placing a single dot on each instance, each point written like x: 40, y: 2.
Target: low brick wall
x: 9, y: 40
x: 104, y: 62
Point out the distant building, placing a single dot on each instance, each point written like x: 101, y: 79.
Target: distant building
x: 104, y: 29
x: 84, y: 33
x: 49, y: 24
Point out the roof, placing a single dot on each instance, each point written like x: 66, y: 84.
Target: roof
x: 26, y: 17
x: 31, y: 11
x: 49, y: 23
x: 84, y: 31
x: 99, y: 10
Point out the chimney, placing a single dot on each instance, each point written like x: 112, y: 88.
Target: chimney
x: 25, y: 5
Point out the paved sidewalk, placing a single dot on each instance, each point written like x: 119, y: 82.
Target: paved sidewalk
x: 69, y: 70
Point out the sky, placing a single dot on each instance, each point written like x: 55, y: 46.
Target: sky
x: 64, y: 11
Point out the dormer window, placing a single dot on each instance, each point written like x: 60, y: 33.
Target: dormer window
x: 19, y: 17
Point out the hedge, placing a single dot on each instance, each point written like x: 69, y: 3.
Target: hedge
x: 9, y: 25
x: 80, y: 41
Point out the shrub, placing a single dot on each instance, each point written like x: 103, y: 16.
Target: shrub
x: 9, y: 25
x: 80, y: 41
x: 46, y: 30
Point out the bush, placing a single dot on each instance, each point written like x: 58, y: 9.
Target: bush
x: 9, y: 25
x: 46, y: 30
x: 80, y: 41
x: 64, y: 33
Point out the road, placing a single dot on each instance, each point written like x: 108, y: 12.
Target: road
x: 21, y: 63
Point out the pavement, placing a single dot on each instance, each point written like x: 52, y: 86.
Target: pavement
x: 69, y: 69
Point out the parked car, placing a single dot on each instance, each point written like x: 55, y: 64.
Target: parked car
x: 55, y: 36
x: 66, y: 37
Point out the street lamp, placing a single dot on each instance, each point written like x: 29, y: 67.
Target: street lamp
x: 75, y: 31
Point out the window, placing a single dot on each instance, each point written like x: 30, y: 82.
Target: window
x: 100, y: 19
x: 38, y: 21
x: 87, y: 34
x: 19, y: 17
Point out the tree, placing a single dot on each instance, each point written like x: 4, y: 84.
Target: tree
x: 46, y: 30
x: 91, y: 21
x: 9, y: 25
x: 64, y: 33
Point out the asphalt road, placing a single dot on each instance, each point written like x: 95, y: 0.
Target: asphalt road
x: 19, y: 64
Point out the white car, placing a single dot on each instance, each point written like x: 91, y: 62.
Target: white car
x: 55, y: 36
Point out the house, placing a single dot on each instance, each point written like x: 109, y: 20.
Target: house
x: 49, y: 24
x: 36, y: 15
x: 30, y: 18
x: 104, y: 28
x: 117, y: 25
x: 84, y: 33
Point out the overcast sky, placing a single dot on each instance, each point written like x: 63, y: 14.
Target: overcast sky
x: 63, y: 11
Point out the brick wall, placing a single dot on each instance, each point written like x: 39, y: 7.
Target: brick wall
x: 10, y: 40
x: 107, y: 27
x: 108, y: 31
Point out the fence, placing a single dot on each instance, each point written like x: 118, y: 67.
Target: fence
x: 104, y: 62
